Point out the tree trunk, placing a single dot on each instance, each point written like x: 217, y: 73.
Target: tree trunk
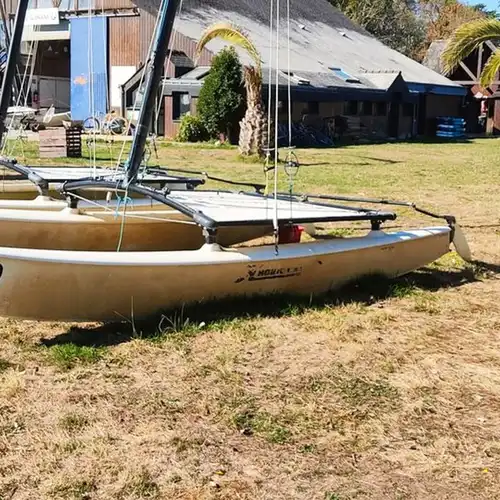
x: 253, y: 126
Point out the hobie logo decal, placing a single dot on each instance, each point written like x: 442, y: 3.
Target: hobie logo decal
x: 269, y: 273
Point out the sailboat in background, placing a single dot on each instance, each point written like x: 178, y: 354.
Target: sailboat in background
x: 74, y: 285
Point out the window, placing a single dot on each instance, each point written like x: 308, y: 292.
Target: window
x: 181, y: 104
x: 408, y: 109
x: 345, y: 76
x: 381, y: 109
x: 313, y: 107
x: 299, y: 80
x: 367, y: 108
x: 351, y: 108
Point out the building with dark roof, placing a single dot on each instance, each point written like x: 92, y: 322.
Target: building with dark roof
x: 337, y: 69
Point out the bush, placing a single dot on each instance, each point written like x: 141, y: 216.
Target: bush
x: 221, y: 104
x: 192, y: 129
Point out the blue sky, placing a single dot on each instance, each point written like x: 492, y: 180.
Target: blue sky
x: 492, y: 4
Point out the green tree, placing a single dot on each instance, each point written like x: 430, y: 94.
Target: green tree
x: 443, y: 17
x: 222, y: 97
x: 466, y: 39
x: 253, y: 126
x: 393, y: 22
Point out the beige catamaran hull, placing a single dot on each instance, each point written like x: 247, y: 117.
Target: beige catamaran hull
x: 69, y: 229
x: 102, y: 286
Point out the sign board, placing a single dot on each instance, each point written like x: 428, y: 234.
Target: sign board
x: 42, y: 17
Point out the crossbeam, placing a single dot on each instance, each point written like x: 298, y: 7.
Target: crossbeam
x: 102, y: 12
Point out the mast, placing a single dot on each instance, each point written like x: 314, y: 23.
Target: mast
x: 12, y: 60
x: 156, y: 63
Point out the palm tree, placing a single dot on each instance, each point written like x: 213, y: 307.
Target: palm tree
x: 253, y: 126
x: 468, y: 38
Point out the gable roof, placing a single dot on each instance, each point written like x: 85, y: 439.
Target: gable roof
x: 321, y: 37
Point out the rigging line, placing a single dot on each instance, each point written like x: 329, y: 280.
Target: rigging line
x: 169, y: 60
x: 146, y: 65
x: 289, y: 85
x: 131, y: 216
x: 136, y: 99
x: 290, y: 161
x: 269, y: 98
x: 18, y: 99
x: 124, y: 216
x: 104, y: 39
x: 32, y: 72
x: 90, y: 44
x: 276, y: 153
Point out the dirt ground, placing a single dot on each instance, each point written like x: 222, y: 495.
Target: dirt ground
x: 381, y: 391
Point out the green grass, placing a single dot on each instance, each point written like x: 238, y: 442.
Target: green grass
x: 140, y: 485
x: 252, y: 421
x: 4, y: 365
x: 73, y: 422
x: 67, y: 356
x: 79, y: 489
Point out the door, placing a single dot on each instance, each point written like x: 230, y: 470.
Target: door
x: 394, y: 114
x: 89, y: 67
x: 393, y: 129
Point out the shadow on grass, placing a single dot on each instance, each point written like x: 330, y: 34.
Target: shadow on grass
x: 367, y: 291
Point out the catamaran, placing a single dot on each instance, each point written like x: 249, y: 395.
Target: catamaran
x: 49, y: 284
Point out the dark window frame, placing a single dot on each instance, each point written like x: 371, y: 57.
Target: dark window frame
x: 313, y: 107
x: 408, y: 109
x: 352, y: 108
x: 381, y: 109
x: 179, y: 109
x: 367, y: 108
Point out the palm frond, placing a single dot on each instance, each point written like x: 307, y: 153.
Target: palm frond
x: 233, y: 35
x: 468, y: 38
x: 491, y: 69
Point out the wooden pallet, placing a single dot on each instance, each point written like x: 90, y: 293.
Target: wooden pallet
x: 52, y: 143
x: 74, y: 142
x: 61, y: 143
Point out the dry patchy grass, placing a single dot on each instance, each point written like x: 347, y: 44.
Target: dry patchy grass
x: 386, y: 391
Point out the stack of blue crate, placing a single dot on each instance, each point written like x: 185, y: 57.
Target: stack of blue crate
x: 450, y: 127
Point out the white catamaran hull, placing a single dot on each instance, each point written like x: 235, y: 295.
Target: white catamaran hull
x: 154, y: 226
x: 104, y: 231
x: 107, y: 286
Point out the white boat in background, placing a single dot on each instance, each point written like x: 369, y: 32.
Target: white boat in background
x: 21, y: 182
x: 53, y: 119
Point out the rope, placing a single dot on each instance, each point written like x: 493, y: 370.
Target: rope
x: 136, y: 100
x: 275, y: 221
x: 122, y: 224
x: 291, y: 162
x: 104, y: 37
x: 131, y: 216
x: 269, y: 100
x: 20, y: 96
x: 90, y: 60
x: 122, y: 229
x: 289, y: 84
x: 124, y: 200
x: 169, y: 60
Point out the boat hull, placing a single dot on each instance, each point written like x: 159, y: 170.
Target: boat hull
x: 106, y: 286
x: 156, y: 230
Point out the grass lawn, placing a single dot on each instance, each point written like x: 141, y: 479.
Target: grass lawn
x: 386, y: 392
